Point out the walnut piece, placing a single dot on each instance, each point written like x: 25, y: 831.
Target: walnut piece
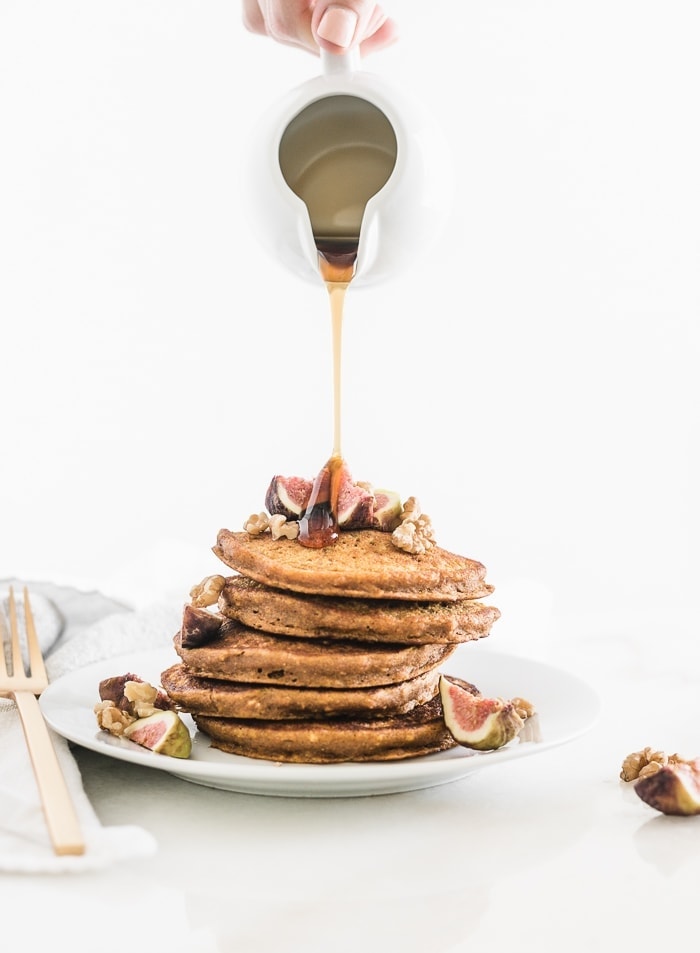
x: 411, y: 510
x: 644, y: 763
x: 207, y: 592
x: 523, y: 707
x: 112, y: 719
x: 414, y: 534
x: 256, y: 524
x: 280, y: 526
x: 142, y: 697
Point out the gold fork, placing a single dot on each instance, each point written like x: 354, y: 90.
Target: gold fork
x: 24, y: 687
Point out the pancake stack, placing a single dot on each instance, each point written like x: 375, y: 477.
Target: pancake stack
x: 327, y: 655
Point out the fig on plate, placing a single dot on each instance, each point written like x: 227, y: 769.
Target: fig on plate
x: 163, y: 732
x: 673, y: 789
x: 474, y: 720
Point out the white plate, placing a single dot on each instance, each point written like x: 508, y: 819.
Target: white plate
x: 566, y: 706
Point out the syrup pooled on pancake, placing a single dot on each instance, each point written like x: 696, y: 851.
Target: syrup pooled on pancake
x: 318, y: 526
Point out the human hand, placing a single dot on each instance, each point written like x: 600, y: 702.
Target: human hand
x: 314, y: 24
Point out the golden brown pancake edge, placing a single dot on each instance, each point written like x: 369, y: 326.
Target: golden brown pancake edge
x: 284, y: 612
x: 419, y: 732
x: 364, y: 564
x: 225, y: 699
x: 242, y: 654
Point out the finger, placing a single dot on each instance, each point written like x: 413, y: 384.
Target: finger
x: 252, y: 17
x: 386, y: 34
x: 333, y: 26
x: 289, y: 22
x: 339, y: 26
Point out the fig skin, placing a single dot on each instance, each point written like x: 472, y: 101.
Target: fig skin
x: 199, y: 626
x: 163, y: 732
x: 476, y: 721
x: 674, y: 789
x: 288, y: 496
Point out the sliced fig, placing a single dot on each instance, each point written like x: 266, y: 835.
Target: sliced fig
x: 199, y: 626
x: 164, y: 732
x: 387, y: 510
x: 355, y: 505
x: 674, y: 789
x: 288, y: 496
x: 358, y: 507
x: 476, y: 721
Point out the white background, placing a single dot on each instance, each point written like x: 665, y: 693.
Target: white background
x: 533, y: 380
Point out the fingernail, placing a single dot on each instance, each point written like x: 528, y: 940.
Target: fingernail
x: 338, y: 25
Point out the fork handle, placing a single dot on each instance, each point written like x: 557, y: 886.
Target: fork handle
x: 61, y: 819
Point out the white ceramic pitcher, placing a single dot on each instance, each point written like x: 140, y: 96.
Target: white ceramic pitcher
x: 353, y: 118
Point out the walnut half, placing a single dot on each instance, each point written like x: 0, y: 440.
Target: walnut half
x: 644, y: 763
x: 112, y: 719
x: 280, y: 526
x: 207, y: 592
x: 414, y: 534
x: 256, y: 524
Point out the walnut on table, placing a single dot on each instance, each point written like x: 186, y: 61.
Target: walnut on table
x: 644, y: 763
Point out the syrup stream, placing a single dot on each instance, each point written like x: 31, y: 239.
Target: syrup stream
x: 318, y: 526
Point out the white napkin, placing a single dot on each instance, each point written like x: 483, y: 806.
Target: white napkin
x: 24, y: 842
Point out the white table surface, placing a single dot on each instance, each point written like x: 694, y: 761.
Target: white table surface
x: 556, y: 387
x: 545, y: 853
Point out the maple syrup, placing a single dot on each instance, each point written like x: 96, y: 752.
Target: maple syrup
x: 318, y: 526
x: 335, y: 155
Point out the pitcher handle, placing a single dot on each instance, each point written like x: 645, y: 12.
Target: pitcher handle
x: 343, y: 64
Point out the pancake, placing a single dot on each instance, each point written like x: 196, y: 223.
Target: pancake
x: 364, y: 564
x: 241, y: 654
x: 419, y: 732
x: 379, y: 620
x: 213, y: 696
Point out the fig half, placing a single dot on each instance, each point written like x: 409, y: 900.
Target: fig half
x: 674, y: 789
x: 163, y: 732
x: 476, y: 721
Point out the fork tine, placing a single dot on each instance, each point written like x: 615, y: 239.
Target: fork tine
x: 16, y: 654
x: 36, y: 658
